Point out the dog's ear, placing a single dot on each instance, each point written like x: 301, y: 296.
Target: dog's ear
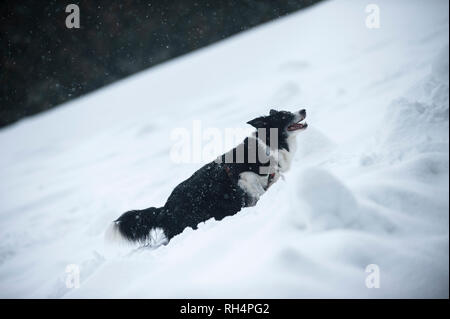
x: 272, y: 112
x: 258, y: 122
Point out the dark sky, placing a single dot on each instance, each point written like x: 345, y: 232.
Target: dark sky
x: 43, y: 63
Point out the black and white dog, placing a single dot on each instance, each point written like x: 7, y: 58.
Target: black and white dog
x: 221, y: 188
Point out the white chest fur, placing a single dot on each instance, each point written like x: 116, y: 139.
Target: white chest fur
x: 285, y: 157
x: 254, y: 184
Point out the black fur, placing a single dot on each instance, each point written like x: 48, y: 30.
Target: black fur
x: 212, y: 191
x: 135, y: 225
x: 276, y: 119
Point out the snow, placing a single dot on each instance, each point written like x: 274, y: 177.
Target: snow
x: 368, y: 185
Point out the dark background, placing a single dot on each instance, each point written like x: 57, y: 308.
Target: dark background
x: 43, y: 63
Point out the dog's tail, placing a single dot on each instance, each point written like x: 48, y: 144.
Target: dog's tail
x: 141, y: 226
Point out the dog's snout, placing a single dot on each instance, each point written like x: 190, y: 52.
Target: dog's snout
x: 302, y: 113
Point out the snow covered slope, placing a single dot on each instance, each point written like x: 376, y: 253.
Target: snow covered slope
x: 369, y: 183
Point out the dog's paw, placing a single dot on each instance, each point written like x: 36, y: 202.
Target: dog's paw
x: 250, y: 201
x: 284, y: 161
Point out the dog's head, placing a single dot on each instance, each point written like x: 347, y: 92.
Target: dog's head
x: 286, y: 123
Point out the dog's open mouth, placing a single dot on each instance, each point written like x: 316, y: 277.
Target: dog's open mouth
x: 297, y: 126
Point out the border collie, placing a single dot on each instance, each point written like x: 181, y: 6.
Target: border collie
x: 221, y: 188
